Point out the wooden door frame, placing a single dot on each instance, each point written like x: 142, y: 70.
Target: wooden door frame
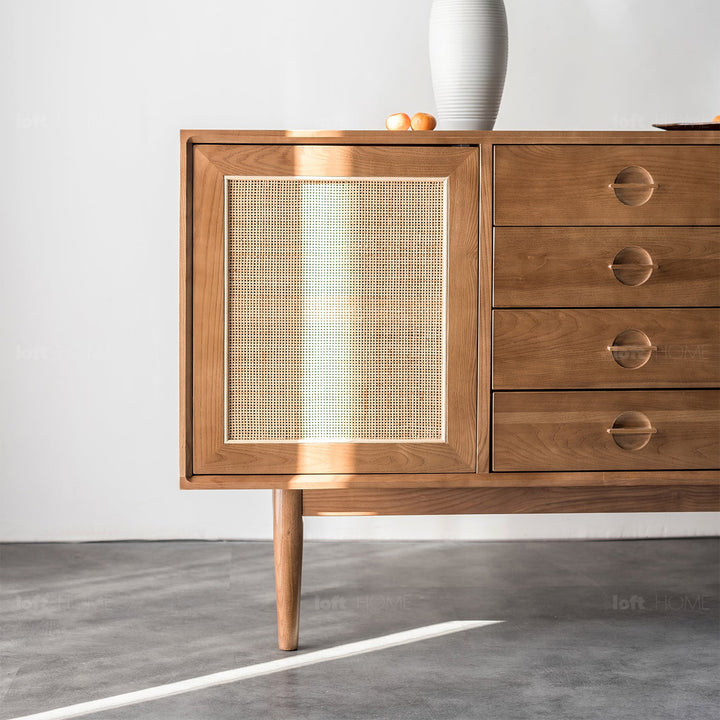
x: 459, y: 168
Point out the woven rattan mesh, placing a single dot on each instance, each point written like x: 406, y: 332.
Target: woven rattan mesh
x: 335, y: 295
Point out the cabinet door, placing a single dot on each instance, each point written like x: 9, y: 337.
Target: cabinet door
x: 334, y: 309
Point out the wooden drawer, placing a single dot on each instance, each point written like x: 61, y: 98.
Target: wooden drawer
x: 661, y: 430
x: 538, y: 349
x: 606, y: 267
x: 607, y: 185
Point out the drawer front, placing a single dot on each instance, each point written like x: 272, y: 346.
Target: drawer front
x: 607, y: 267
x: 607, y: 185
x: 624, y: 430
x: 600, y: 348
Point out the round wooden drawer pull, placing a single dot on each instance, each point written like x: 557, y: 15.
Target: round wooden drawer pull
x: 633, y: 186
x: 631, y: 431
x: 633, y: 266
x: 631, y: 349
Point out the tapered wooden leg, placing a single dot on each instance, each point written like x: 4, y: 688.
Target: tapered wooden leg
x: 288, y: 546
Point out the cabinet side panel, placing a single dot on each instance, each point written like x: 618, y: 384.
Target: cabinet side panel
x: 185, y: 288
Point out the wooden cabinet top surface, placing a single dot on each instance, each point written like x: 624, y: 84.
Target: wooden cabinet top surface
x: 447, y: 137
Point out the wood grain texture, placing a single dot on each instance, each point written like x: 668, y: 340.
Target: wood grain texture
x: 341, y: 161
x: 458, y: 453
x: 484, y: 351
x: 485, y: 501
x: 207, y: 303
x: 288, y: 548
x: 568, y: 267
x: 556, y: 431
x: 456, y: 480
x: 554, y: 349
x: 551, y: 185
x: 186, y: 295
x: 448, y: 137
x: 695, y: 290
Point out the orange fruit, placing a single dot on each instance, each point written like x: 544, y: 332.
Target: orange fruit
x: 716, y: 118
x: 423, y: 121
x: 397, y: 121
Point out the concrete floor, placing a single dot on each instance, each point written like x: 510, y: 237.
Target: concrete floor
x: 621, y: 629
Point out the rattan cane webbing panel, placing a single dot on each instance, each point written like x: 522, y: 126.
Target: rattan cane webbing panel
x: 335, y: 309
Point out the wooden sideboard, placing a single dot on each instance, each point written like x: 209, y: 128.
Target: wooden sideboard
x: 449, y: 322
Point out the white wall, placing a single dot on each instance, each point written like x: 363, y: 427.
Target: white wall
x: 92, y: 95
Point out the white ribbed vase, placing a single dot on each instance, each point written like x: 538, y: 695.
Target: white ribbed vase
x: 468, y: 60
